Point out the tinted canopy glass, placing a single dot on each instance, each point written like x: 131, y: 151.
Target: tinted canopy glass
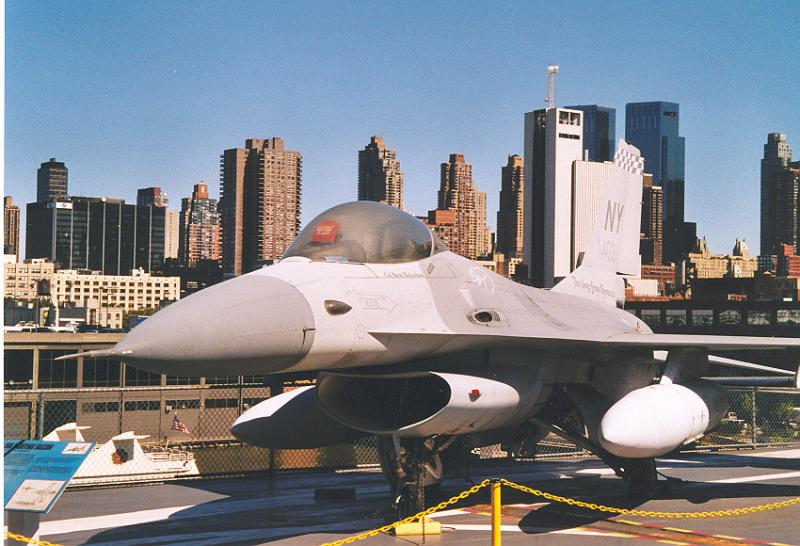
x: 363, y: 232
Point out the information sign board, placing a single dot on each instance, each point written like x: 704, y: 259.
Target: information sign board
x: 37, y: 472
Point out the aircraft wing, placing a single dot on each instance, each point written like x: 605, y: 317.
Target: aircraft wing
x: 610, y: 346
x: 690, y: 341
x: 611, y: 342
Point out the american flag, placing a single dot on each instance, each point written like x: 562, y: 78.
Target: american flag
x: 178, y: 425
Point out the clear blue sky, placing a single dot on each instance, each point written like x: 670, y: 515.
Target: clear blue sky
x: 134, y: 94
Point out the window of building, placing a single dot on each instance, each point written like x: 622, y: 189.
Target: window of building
x: 651, y: 317
x: 143, y: 405
x: 757, y: 318
x: 17, y: 369
x: 216, y: 403
x: 181, y: 380
x: 702, y: 317
x: 101, y: 372
x: 257, y: 380
x: 676, y: 317
x: 788, y: 316
x: 183, y: 404
x: 140, y: 378
x: 730, y: 316
x: 230, y: 380
x: 99, y: 407
x: 250, y: 402
x: 57, y: 374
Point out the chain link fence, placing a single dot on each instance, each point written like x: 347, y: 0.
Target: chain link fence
x: 758, y: 417
x: 169, y: 423
x: 183, y: 431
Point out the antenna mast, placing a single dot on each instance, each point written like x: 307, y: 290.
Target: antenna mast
x: 550, y: 100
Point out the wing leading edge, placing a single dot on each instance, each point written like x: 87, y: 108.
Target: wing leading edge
x: 710, y: 342
x: 625, y: 340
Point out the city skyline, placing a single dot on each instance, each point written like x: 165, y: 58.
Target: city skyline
x: 115, y: 108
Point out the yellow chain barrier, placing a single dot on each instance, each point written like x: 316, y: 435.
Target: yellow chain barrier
x: 20, y: 538
x: 648, y: 513
x: 525, y: 489
x: 386, y: 528
x: 571, y: 502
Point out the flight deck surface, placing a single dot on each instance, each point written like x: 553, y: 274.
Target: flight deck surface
x: 282, y: 510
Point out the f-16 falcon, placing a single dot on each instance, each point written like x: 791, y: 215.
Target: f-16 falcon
x: 412, y: 342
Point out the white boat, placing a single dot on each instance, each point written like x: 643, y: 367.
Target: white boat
x: 123, y: 459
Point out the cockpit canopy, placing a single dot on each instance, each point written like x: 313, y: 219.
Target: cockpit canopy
x: 364, y: 232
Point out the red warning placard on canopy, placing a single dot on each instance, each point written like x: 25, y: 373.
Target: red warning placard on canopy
x: 326, y: 232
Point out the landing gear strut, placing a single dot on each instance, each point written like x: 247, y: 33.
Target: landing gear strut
x: 642, y: 478
x: 414, y: 470
x: 641, y: 474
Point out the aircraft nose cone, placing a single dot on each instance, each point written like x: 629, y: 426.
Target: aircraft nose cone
x: 248, y: 325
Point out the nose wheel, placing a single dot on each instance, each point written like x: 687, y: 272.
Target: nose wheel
x: 414, y: 470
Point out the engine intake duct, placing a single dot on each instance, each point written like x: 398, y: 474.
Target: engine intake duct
x: 291, y: 420
x: 382, y: 404
x: 426, y: 403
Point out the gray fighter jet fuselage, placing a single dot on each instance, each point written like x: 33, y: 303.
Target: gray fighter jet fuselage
x: 413, y: 341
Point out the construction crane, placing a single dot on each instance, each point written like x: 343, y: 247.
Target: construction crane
x: 550, y: 99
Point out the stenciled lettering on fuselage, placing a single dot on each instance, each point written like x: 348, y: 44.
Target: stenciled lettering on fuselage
x: 611, y: 228
x: 478, y: 275
x: 614, y: 216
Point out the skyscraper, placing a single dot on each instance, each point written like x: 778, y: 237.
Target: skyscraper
x: 599, y: 131
x: 171, y: 234
x: 260, y: 188
x: 553, y: 142
x: 10, y: 227
x: 200, y: 228
x: 51, y: 181
x: 379, y: 175
x: 443, y: 224
x: 96, y: 233
x: 154, y: 197
x: 652, y: 230
x: 510, y: 215
x: 777, y: 156
x: 457, y: 192
x: 653, y: 127
x: 781, y: 221
x: 151, y: 196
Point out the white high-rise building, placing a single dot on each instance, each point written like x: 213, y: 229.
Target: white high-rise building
x: 171, y: 234
x: 553, y: 142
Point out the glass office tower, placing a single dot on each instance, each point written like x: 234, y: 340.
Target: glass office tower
x: 653, y: 127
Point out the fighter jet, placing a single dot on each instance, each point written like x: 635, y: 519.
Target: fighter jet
x: 411, y: 341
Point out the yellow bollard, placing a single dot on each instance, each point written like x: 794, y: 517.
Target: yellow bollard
x: 496, y: 504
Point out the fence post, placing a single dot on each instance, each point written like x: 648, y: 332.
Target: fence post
x: 161, y: 437
x: 753, y: 400
x: 200, y: 412
x: 496, y: 505
x: 240, y: 403
x: 121, y: 409
x: 275, y: 387
x: 40, y: 416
